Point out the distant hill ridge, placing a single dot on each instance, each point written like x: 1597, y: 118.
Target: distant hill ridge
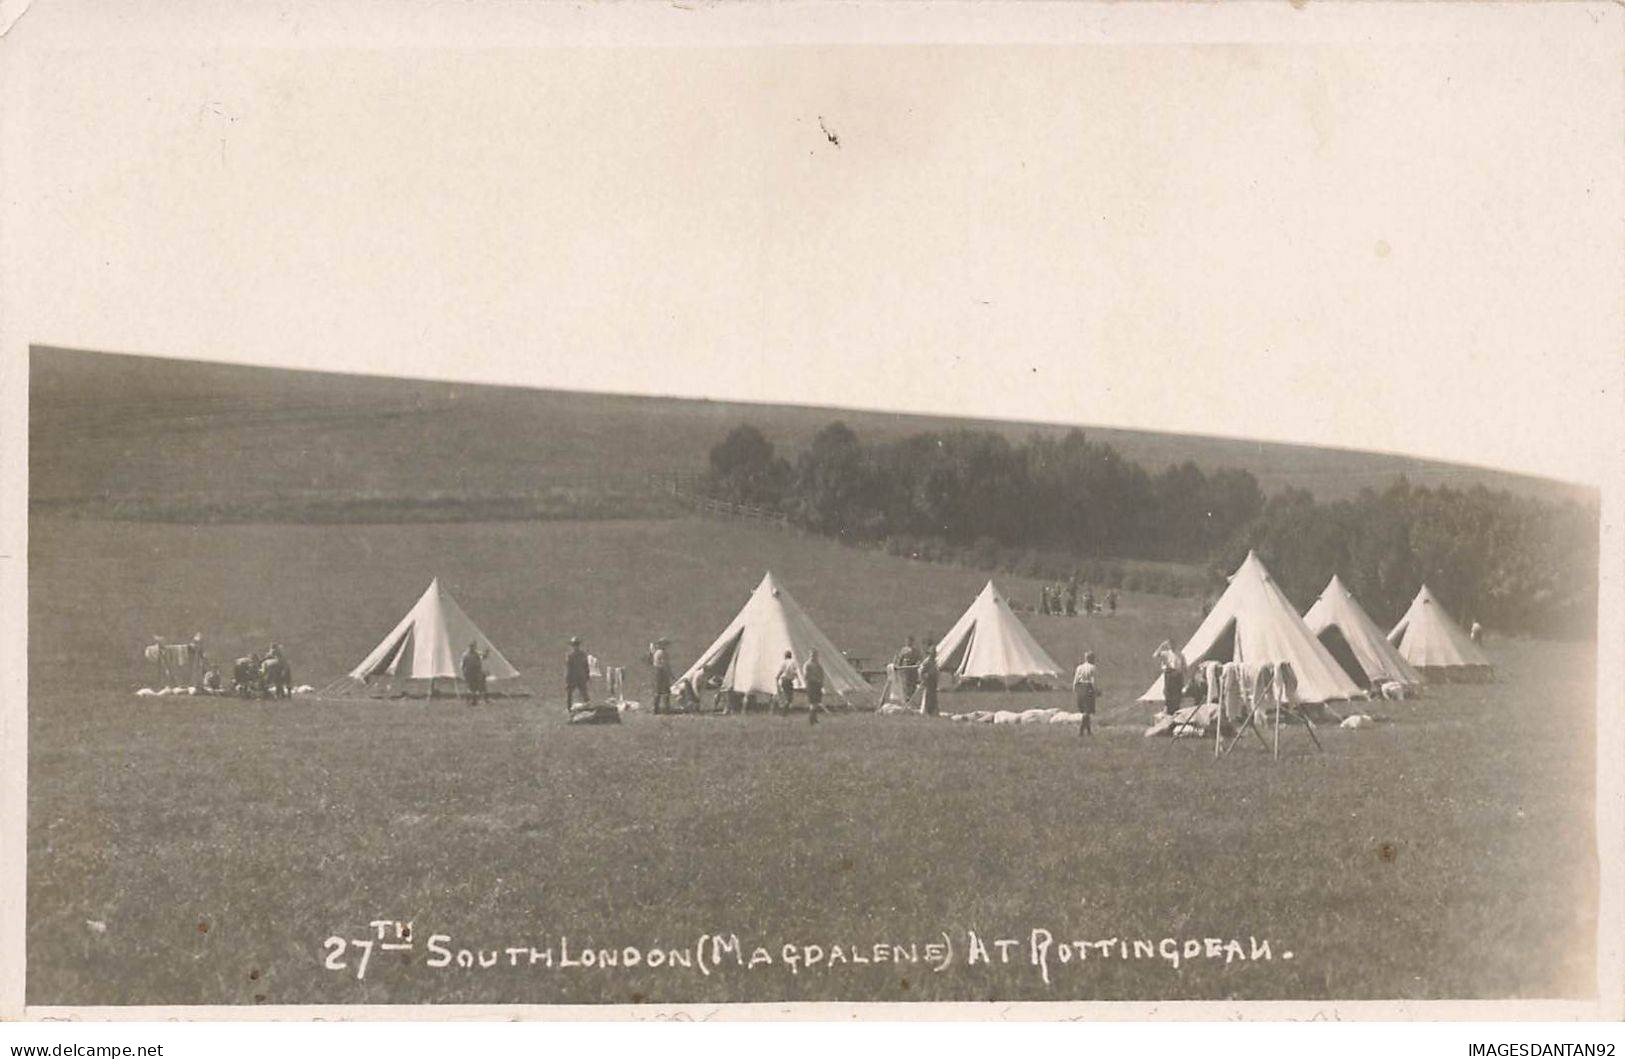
x: 115, y: 426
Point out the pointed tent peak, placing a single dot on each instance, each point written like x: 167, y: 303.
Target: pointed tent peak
x: 768, y: 584
x: 1336, y: 587
x: 1252, y: 566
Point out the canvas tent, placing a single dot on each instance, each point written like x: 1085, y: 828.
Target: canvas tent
x: 988, y: 642
x: 1349, y: 634
x: 747, y: 657
x: 1429, y: 639
x: 1253, y: 621
x: 428, y: 643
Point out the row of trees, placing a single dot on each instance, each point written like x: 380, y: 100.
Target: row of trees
x: 1512, y: 562
x: 971, y: 486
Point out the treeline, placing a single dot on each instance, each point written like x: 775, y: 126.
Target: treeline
x: 1514, y: 563
x: 1049, y: 507
x: 968, y: 487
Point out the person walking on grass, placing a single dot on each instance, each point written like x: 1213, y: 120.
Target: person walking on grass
x: 472, y: 666
x: 661, y: 662
x: 928, y: 680
x: 787, y: 682
x: 577, y: 675
x: 812, y: 678
x: 1083, y: 687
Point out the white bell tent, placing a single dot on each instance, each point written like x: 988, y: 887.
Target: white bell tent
x: 1429, y: 639
x: 1253, y: 621
x: 1347, y: 631
x: 989, y: 643
x: 428, y: 643
x: 747, y: 657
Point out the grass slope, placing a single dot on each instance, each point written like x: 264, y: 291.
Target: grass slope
x: 1449, y: 854
x: 142, y: 429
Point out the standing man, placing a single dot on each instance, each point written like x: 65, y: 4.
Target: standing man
x: 278, y: 673
x: 472, y: 666
x: 1072, y: 599
x: 1083, y: 686
x: 812, y: 678
x: 787, y: 682
x: 1476, y: 633
x: 1111, y: 601
x: 662, y: 674
x: 577, y: 674
x: 1172, y: 664
x: 928, y: 680
x: 1088, y: 601
x: 908, y: 667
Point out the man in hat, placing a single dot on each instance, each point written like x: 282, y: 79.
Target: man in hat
x: 928, y: 680
x: 472, y: 666
x: 577, y: 674
x: 662, y: 674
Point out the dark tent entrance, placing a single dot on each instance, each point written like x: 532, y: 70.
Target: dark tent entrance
x: 1337, y: 644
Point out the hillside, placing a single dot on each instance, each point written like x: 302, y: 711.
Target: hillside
x: 111, y: 426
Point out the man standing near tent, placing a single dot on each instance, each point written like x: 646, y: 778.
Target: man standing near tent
x: 577, y: 674
x: 812, y: 678
x: 1111, y: 601
x: 662, y: 675
x: 1172, y: 664
x: 908, y: 668
x: 1083, y: 686
x: 787, y: 682
x: 928, y: 680
x: 472, y: 667
x: 1476, y: 633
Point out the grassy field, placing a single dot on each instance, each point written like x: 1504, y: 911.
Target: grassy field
x: 114, y: 433
x: 200, y: 851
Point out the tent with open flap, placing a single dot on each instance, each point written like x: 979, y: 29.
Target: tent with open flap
x: 1430, y: 640
x: 989, y: 643
x: 747, y: 657
x: 1253, y: 621
x: 428, y: 643
x: 1347, y: 631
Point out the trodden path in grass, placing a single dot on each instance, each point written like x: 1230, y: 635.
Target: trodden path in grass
x: 202, y: 851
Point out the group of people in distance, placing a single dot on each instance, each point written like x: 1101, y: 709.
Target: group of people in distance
x: 1065, y: 600
x: 259, y: 674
